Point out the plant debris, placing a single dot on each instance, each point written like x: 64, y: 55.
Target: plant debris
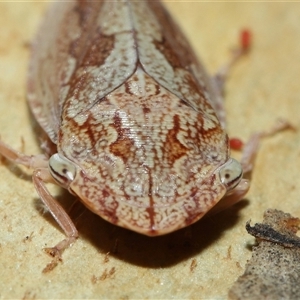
x: 273, y: 272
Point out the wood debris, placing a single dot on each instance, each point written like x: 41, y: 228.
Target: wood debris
x: 273, y: 272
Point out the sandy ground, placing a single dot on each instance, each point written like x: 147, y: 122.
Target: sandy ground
x: 200, y: 262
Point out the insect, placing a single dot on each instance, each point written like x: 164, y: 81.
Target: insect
x: 136, y: 123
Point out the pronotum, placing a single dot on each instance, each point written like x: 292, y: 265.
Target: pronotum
x: 136, y: 123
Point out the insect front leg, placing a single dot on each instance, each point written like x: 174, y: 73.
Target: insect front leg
x: 232, y: 197
x: 251, y: 147
x: 30, y: 161
x: 41, y: 176
x: 249, y: 153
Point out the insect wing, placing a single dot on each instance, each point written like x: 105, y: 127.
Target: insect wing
x: 76, y: 57
x: 167, y: 56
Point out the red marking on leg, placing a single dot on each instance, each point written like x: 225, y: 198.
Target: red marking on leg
x: 245, y: 39
x: 236, y: 144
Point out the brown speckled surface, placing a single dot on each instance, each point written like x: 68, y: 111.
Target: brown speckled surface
x: 197, y: 263
x: 274, y: 268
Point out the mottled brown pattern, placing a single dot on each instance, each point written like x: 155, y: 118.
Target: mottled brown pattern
x: 65, y: 26
x: 144, y: 160
x: 173, y: 37
x: 84, y: 9
x: 169, y: 52
x: 180, y: 47
x: 128, y: 110
x: 99, y: 47
x: 173, y: 148
x: 86, y: 14
x: 121, y: 147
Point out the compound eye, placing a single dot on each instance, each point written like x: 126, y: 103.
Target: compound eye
x: 231, y: 174
x: 62, y: 170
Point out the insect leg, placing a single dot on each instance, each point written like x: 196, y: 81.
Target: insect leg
x: 221, y: 75
x: 218, y: 80
x: 248, y: 158
x: 251, y: 147
x: 31, y: 161
x: 40, y: 177
x: 233, y: 197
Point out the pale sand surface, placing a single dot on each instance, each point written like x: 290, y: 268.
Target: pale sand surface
x: 201, y: 262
